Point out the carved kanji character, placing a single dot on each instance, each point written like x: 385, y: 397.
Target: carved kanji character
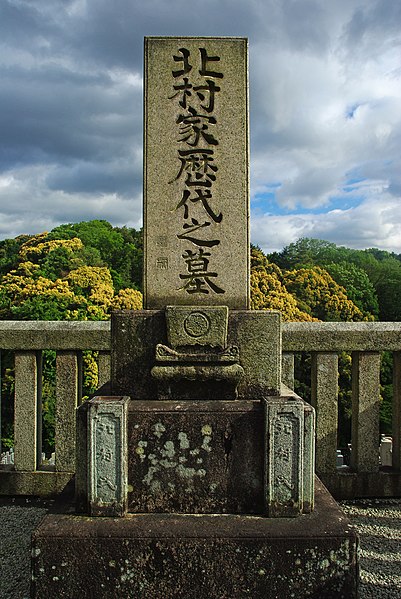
x: 197, y: 162
x: 199, y: 279
x: 204, y: 70
x: 184, y: 90
x: 211, y: 88
x: 189, y: 229
x: 201, y: 196
x: 193, y: 127
x: 186, y: 67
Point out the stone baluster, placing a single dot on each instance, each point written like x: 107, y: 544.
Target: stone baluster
x: 26, y: 440
x: 365, y: 411
x: 324, y: 398
x: 287, y: 369
x: 67, y: 396
x: 103, y: 367
x: 397, y: 410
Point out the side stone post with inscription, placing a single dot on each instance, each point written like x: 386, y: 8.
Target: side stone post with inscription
x: 102, y: 457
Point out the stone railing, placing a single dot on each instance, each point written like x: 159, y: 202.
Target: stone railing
x: 28, y: 476
x: 365, y: 341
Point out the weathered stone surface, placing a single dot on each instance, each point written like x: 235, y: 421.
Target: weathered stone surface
x: 287, y: 370
x: 102, y: 457
x: 196, y: 177
x: 26, y: 400
x: 67, y: 335
x: 67, y: 392
x: 284, y: 452
x: 346, y: 484
x: 203, y: 382
x: 196, y: 325
x: 197, y: 557
x: 308, y: 475
x: 341, y: 336
x: 324, y: 398
x: 258, y: 336
x: 196, y: 457
x: 41, y: 483
x: 135, y: 335
x: 365, y: 411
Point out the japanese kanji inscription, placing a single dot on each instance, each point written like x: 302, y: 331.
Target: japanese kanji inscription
x: 196, y: 188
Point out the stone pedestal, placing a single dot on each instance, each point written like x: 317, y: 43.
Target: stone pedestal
x: 155, y: 556
x: 135, y: 335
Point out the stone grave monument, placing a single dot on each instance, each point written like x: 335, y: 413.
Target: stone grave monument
x: 195, y: 473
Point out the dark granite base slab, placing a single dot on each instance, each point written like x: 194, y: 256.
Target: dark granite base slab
x: 160, y: 556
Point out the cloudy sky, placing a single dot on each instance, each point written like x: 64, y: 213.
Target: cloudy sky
x: 325, y: 98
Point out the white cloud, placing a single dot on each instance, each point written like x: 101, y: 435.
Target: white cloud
x: 373, y: 223
x: 325, y: 102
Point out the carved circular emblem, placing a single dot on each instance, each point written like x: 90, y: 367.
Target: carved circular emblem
x: 196, y: 324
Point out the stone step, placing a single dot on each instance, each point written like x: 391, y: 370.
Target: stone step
x: 155, y: 556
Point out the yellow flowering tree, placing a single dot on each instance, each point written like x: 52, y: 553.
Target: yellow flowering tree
x: 50, y: 280
x: 317, y: 291
x: 268, y: 291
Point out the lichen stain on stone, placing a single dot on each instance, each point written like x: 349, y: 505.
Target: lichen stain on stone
x: 183, y: 439
x: 166, y: 458
x: 205, y: 444
x: 158, y: 429
x: 168, y: 450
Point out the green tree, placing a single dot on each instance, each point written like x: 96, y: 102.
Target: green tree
x: 358, y: 286
x: 49, y: 280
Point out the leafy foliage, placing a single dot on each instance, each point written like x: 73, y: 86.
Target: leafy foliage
x: 82, y: 271
x: 76, y: 272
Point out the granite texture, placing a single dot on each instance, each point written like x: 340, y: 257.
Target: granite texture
x: 197, y: 326
x: 378, y: 522
x: 196, y: 172
x: 135, y: 335
x: 101, y: 480
x: 197, y: 556
x: 196, y: 457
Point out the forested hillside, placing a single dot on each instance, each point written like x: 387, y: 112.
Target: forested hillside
x: 82, y: 271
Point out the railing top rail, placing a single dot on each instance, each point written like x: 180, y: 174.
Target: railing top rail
x: 297, y: 336
x: 58, y: 335
x: 341, y: 336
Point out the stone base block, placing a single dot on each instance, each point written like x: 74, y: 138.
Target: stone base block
x: 155, y: 556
